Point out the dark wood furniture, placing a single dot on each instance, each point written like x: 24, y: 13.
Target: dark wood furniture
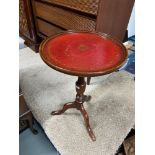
x: 25, y: 115
x: 54, y: 16
x: 82, y: 54
x: 129, y: 146
x: 27, y: 28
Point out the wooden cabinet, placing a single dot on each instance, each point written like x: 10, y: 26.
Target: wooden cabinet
x: 26, y: 24
x: 25, y: 115
x: 106, y: 16
x: 86, y: 6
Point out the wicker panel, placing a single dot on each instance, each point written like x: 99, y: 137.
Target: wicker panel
x: 63, y: 18
x: 23, y: 25
x: 87, y: 6
x: 47, y: 28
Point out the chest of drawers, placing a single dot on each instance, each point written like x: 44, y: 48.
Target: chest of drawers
x: 106, y: 16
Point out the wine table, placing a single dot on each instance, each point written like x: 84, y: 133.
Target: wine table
x: 82, y: 54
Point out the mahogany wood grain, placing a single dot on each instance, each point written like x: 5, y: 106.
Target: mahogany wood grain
x: 26, y: 24
x: 87, y: 6
x: 113, y: 17
x: 47, y: 28
x: 64, y: 18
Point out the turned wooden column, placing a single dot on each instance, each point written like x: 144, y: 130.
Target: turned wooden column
x: 78, y: 104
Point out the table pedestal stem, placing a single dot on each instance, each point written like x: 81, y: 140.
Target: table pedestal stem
x: 78, y: 104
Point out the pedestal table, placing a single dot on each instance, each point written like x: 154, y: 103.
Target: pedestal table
x: 82, y: 54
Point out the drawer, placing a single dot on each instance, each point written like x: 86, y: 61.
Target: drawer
x: 87, y: 6
x: 63, y: 18
x: 47, y: 29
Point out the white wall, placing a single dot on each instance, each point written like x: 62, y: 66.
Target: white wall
x: 131, y: 25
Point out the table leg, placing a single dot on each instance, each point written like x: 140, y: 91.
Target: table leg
x: 88, y: 80
x: 86, y: 119
x: 65, y: 107
x: 78, y: 104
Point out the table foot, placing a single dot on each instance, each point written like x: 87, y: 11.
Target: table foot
x: 65, y: 107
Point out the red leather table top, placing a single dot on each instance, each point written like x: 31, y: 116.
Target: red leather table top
x: 83, y: 53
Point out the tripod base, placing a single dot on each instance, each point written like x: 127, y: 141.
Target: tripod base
x: 78, y: 104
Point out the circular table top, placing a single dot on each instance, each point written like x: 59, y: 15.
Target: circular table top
x: 83, y: 53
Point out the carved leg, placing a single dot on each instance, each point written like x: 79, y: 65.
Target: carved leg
x: 86, y: 119
x: 88, y: 80
x: 65, y: 107
x: 78, y: 104
x: 80, y: 99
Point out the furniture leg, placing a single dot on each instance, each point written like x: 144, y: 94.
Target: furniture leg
x: 88, y: 80
x: 30, y: 123
x: 78, y: 104
x: 86, y: 119
x: 65, y: 107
